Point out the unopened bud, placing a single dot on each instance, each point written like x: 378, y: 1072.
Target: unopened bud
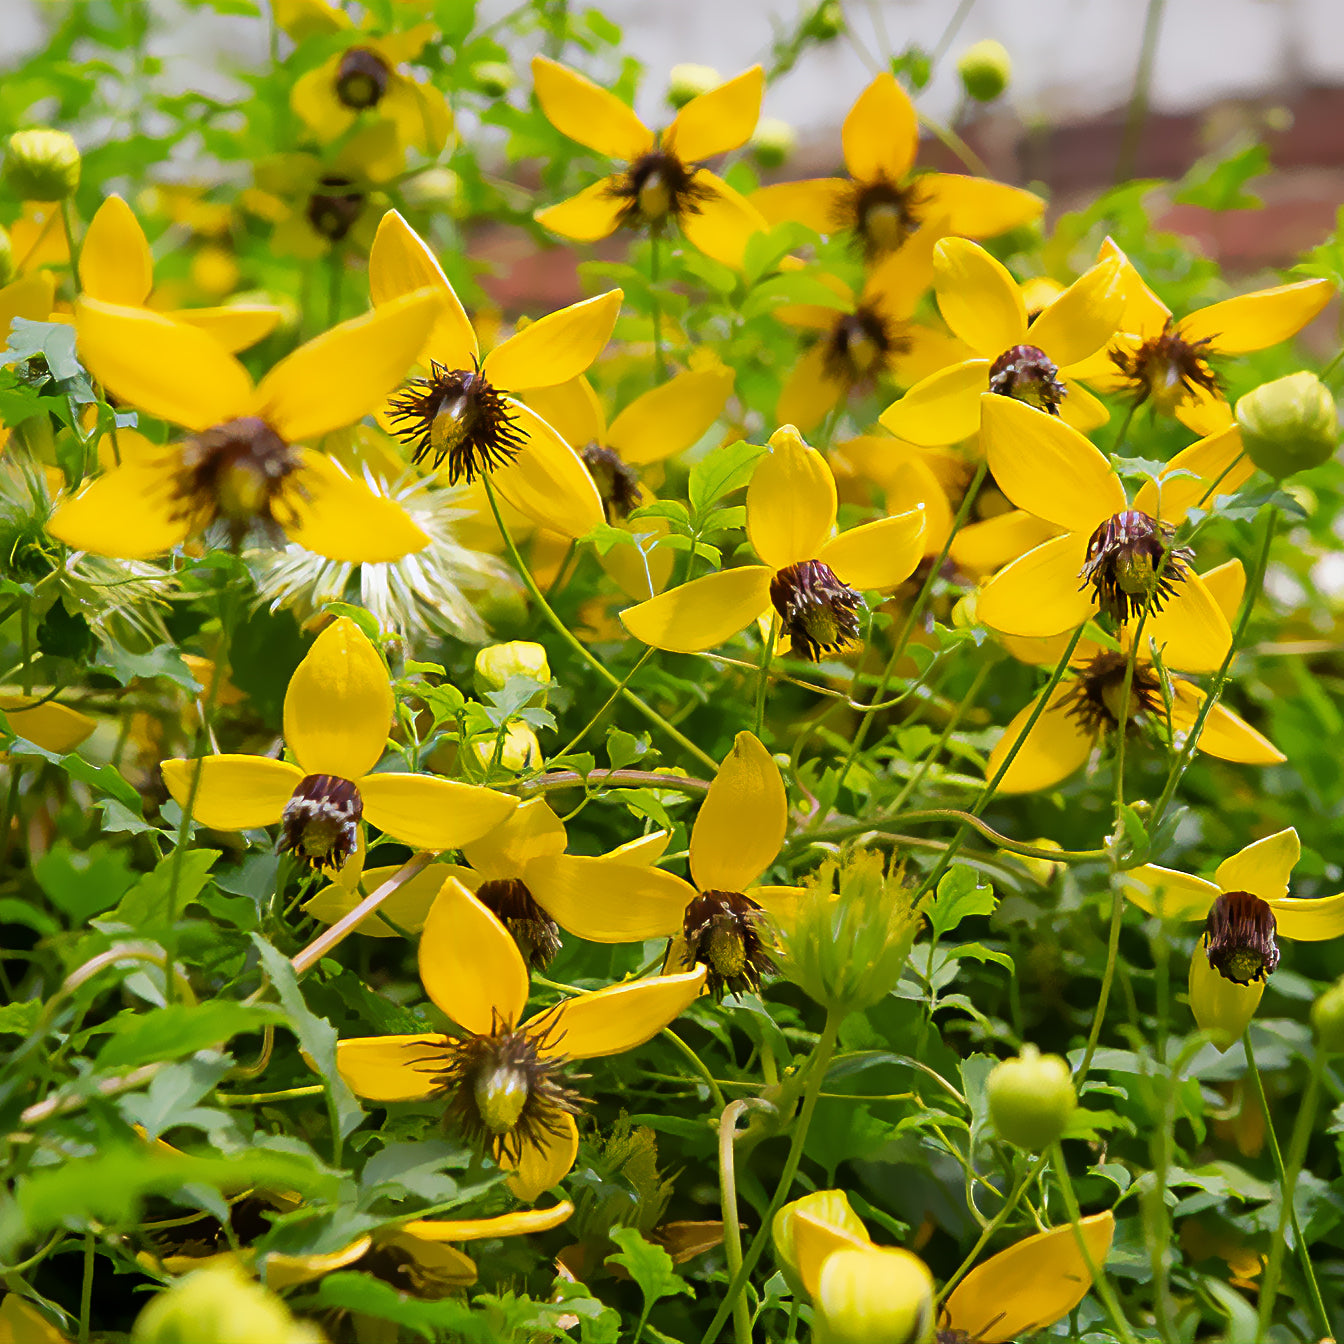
x: 772, y: 142
x: 496, y: 663
x: 435, y: 188
x: 493, y: 77
x: 985, y: 70
x: 42, y: 165
x: 876, y: 1295
x: 1327, y: 1019
x: 685, y: 82
x: 220, y: 1305
x: 828, y: 22
x: 1289, y: 425
x: 829, y: 1207
x: 1031, y: 1099
x: 520, y: 751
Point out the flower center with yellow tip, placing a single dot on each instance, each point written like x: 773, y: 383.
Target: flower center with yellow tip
x: 658, y: 185
x: 534, y: 931
x: 1098, y: 692
x: 1167, y: 370
x: 334, y: 207
x: 361, y: 79
x: 233, y: 472
x: 881, y: 214
x: 616, y: 481
x: 1132, y: 564
x: 1025, y: 373
x: 320, y: 825
x: 816, y: 610
x: 722, y: 930
x: 858, y: 345
x: 1239, y: 937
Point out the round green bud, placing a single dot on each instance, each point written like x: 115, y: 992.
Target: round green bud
x: 218, y: 1305
x: 828, y: 22
x: 772, y: 142
x: 985, y: 70
x: 1327, y: 1019
x: 496, y: 663
x: 827, y: 1206
x: 493, y: 77
x: 685, y: 82
x: 435, y: 188
x: 41, y: 165
x: 874, y: 1295
x: 6, y: 257
x: 1031, y: 1098
x: 1289, y: 425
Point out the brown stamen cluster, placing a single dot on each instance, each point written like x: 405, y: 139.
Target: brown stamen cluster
x: 859, y: 345
x: 1025, y: 373
x: 206, y: 1235
x: 334, y: 207
x: 616, y: 481
x: 534, y: 931
x: 361, y: 79
x: 320, y: 825
x: 658, y: 185
x: 881, y: 215
x: 456, y: 414
x: 395, y: 1264
x: 1095, y: 698
x: 1132, y: 564
x: 817, y: 611
x: 1239, y: 937
x: 1167, y: 369
x: 722, y: 930
x: 234, y: 472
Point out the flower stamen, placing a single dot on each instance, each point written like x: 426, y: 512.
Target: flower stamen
x: 361, y: 79
x: 816, y: 610
x: 534, y: 931
x: 656, y: 186
x: 1026, y: 373
x: 1239, y: 937
x: 235, y: 471
x: 722, y: 930
x: 1132, y: 564
x: 333, y: 209
x: 616, y: 481
x: 1167, y: 369
x: 320, y: 825
x: 1095, y: 698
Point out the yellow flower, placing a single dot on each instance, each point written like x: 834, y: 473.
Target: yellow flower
x: 665, y: 181
x: 907, y: 477
x: 51, y: 726
x: 501, y: 1076
x: 465, y: 411
x: 1033, y: 363
x: 116, y: 266
x: 809, y: 577
x: 1085, y: 707
x: 22, y: 1323
x: 1109, y: 556
x: 242, y: 464
x: 338, y: 712
x: 1243, y: 908
x: 881, y: 201
x: 1164, y: 360
x: 718, y: 920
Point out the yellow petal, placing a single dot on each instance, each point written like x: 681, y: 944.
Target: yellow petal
x: 1047, y: 468
x: 1038, y: 593
x: 719, y: 120
x: 646, y: 850
x: 1218, y: 458
x: 818, y: 203
x: 340, y: 377
x: 1310, y: 921
x: 942, y: 408
x: 809, y: 393
x: 115, y: 264
x: 313, y: 97
x: 555, y: 348
x: 1145, y: 314
x: 791, y: 502
x: 703, y: 613
x: 545, y: 1164
x: 578, y: 108
x: 546, y: 480
x: 1226, y: 584
x: 234, y: 326
x: 1190, y: 631
x: 52, y: 726
x: 31, y: 296
x: 130, y: 512
x: 1056, y: 746
x: 1263, y: 867
x: 392, y: 1068
x: 407, y: 907
x: 420, y: 113
x: 742, y: 821
x: 1083, y: 318
x: 162, y: 367
x: 529, y: 832
x: 981, y: 548
x: 670, y: 418
x: 1255, y: 321
x: 816, y: 1239
x: 1031, y: 1285
x: 975, y: 207
x: 572, y: 410
x: 594, y: 213
x: 723, y: 221
x: 1081, y: 409
x: 1203, y: 411
x: 519, y: 1223
x: 609, y: 902
x: 880, y: 134
x: 1225, y: 735
x: 338, y: 708
x: 877, y: 555
x: 431, y: 813
x: 611, y: 1021
x: 288, y: 1271
x: 236, y: 793
x: 469, y: 964
x: 1168, y: 893
x: 1221, y: 1007
x: 978, y: 298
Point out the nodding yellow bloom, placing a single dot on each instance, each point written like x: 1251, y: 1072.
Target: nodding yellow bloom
x: 1243, y: 909
x: 717, y: 921
x: 1113, y: 557
x: 465, y: 412
x: 665, y: 181
x: 51, y: 726
x: 1031, y: 361
x: 882, y: 201
x: 1086, y: 706
x: 116, y: 266
x: 500, y: 1076
x: 338, y: 713
x: 1164, y: 361
x: 242, y: 465
x: 811, y: 579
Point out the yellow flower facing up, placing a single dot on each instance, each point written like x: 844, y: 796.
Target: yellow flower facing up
x: 242, y: 465
x: 1030, y: 361
x: 1164, y: 361
x: 1113, y: 557
x: 718, y: 921
x: 465, y: 412
x: 810, y: 579
x: 500, y: 1075
x: 116, y: 266
x: 882, y: 201
x: 338, y: 712
x: 1244, y: 908
x: 665, y: 181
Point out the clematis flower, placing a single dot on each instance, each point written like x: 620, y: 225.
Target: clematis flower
x: 882, y: 202
x: 1114, y: 557
x: 338, y: 712
x: 809, y: 577
x: 116, y: 266
x: 1164, y: 361
x: 665, y: 181
x: 242, y: 464
x: 1244, y: 908
x: 983, y: 304
x: 501, y: 1077
x: 465, y: 411
x: 718, y: 921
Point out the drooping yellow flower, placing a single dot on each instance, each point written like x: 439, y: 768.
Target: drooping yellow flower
x: 811, y: 579
x: 501, y: 1076
x: 242, y: 465
x: 1243, y: 908
x: 465, y: 411
x: 983, y: 304
x: 116, y: 266
x: 882, y: 202
x: 338, y: 713
x: 1113, y: 557
x: 665, y: 181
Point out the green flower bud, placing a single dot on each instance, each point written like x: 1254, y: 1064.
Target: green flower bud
x: 876, y: 1295
x: 826, y: 1206
x: 436, y: 189
x: 1327, y: 1019
x: 496, y: 663
x: 219, y: 1305
x: 772, y: 142
x: 1031, y: 1099
x: 1289, y: 425
x: 493, y: 77
x: 828, y: 22
x: 985, y: 70
x: 6, y: 258
x: 42, y: 165
x: 685, y: 82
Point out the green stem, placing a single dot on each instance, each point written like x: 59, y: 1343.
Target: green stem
x: 1138, y: 100
x: 699, y: 1065
x: 261, y: 1098
x: 732, y: 1229
x: 86, y: 1290
x: 655, y: 307
x: 606, y: 705
x: 335, y: 279
x: 763, y: 675
x: 68, y: 224
x: 1107, y: 979
x: 953, y: 722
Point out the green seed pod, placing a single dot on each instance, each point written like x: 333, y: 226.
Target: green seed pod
x: 685, y: 82
x: 875, y: 1295
x: 1289, y: 425
x: 42, y: 165
x: 1031, y: 1099
x: 985, y: 70
x: 773, y: 142
x: 828, y: 22
x: 1327, y: 1019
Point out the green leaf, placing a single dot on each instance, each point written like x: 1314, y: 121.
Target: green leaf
x: 625, y: 748
x: 1218, y: 183
x: 721, y: 472
x: 173, y: 1092
x: 180, y: 1029
x: 650, y: 1266
x: 163, y: 661
x: 147, y: 905
x: 18, y: 1019
x: 84, y: 883
x: 53, y: 342
x: 104, y: 778
x: 961, y: 894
